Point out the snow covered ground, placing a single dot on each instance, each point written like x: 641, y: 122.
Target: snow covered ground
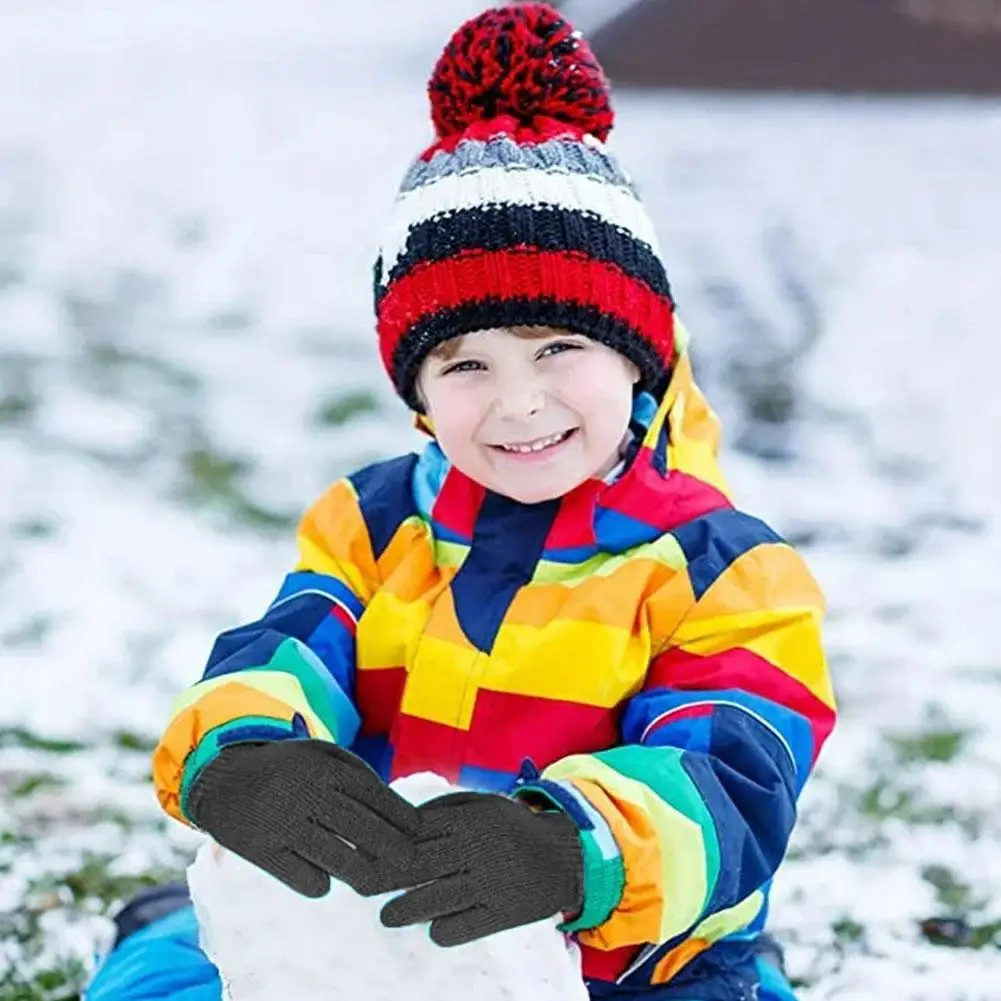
x: 189, y: 194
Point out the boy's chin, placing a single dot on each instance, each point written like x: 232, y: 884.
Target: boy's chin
x: 527, y: 492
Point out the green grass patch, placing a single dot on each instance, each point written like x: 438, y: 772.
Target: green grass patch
x: 883, y: 801
x: 95, y: 880
x: 210, y: 478
x: 343, y: 409
x: 963, y: 923
x: 17, y: 408
x: 17, y: 736
x: 129, y: 741
x: 27, y: 785
x: 936, y: 745
x: 111, y: 367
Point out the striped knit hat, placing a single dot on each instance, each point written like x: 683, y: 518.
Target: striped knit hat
x: 517, y: 214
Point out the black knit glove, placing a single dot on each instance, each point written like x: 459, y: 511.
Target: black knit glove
x: 306, y: 810
x: 485, y: 863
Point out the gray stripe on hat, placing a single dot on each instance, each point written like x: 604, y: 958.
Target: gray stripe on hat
x: 558, y: 156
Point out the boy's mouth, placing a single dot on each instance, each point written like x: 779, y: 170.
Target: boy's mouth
x: 536, y: 445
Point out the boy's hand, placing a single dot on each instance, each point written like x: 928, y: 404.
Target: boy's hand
x: 306, y: 810
x: 485, y: 863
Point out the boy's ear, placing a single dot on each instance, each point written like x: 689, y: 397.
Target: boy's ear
x: 422, y: 419
x: 423, y: 423
x: 419, y: 390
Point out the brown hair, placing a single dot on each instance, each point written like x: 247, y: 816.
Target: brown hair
x: 447, y: 350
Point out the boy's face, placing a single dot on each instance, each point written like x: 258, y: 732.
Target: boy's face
x: 529, y: 413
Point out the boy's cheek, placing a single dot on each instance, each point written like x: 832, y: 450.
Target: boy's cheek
x: 455, y: 419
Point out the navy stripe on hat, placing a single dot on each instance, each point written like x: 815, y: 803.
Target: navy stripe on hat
x: 492, y: 227
x: 483, y: 314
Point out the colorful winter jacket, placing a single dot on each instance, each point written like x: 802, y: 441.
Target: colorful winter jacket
x: 652, y: 650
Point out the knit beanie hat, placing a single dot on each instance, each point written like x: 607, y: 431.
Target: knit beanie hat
x: 518, y: 214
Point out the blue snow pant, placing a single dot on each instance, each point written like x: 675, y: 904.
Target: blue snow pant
x: 156, y: 957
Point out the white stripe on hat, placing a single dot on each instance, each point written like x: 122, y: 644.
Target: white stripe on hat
x: 512, y: 185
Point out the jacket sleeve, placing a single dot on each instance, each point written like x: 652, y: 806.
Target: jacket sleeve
x: 290, y: 673
x: 686, y: 822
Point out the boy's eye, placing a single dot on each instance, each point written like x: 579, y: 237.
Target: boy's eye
x: 461, y: 366
x: 558, y: 347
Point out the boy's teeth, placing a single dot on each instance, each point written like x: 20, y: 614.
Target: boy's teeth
x: 537, y: 446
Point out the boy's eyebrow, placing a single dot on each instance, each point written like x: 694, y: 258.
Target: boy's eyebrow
x: 447, y: 350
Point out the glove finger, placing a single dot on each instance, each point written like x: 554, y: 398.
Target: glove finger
x: 355, y: 777
x: 371, y: 834
x: 465, y: 927
x: 330, y: 853
x: 437, y: 899
x: 327, y: 851
x: 368, y: 789
x: 465, y: 811
x: 297, y: 873
x: 448, y: 800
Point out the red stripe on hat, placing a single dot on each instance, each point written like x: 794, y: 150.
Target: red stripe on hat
x: 523, y: 273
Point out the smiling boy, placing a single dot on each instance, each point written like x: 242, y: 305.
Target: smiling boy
x: 555, y: 605
x: 529, y: 412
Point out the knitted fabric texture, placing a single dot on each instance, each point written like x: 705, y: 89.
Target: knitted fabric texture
x: 298, y: 808
x: 485, y: 864
x: 518, y: 214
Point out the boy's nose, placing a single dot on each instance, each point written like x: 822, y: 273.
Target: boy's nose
x: 521, y: 398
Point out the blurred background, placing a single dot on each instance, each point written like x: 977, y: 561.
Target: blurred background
x: 190, y: 194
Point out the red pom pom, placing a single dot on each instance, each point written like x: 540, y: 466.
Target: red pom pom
x: 525, y: 61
